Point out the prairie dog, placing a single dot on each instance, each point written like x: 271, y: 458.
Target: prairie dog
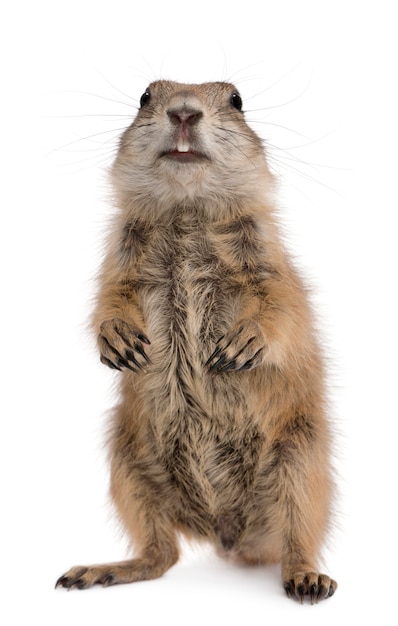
x: 221, y: 432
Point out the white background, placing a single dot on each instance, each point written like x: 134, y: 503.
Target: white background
x: 318, y: 81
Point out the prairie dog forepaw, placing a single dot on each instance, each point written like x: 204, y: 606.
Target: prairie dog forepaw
x: 242, y: 348
x: 315, y: 586
x: 122, y: 346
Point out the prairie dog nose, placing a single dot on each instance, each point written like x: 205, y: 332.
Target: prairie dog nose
x: 184, y: 116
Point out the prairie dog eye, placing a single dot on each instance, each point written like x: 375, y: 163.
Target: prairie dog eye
x: 236, y: 101
x: 145, y: 98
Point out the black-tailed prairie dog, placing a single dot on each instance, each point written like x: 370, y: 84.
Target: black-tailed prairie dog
x: 221, y: 430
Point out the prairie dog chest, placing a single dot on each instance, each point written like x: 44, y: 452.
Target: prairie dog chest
x: 187, y: 274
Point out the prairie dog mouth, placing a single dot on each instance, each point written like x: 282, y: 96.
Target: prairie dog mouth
x: 189, y: 156
x: 184, y: 152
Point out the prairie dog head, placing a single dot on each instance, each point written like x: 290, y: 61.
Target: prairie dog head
x: 190, y: 142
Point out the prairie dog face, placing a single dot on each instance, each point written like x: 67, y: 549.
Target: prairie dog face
x: 187, y: 142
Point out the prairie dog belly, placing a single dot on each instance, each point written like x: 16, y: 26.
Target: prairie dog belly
x: 203, y: 425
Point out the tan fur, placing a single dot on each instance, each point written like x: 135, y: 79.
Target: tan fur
x: 221, y: 431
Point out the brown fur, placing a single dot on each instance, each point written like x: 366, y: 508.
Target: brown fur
x: 221, y: 431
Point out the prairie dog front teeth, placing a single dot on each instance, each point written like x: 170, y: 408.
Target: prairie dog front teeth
x: 182, y: 145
